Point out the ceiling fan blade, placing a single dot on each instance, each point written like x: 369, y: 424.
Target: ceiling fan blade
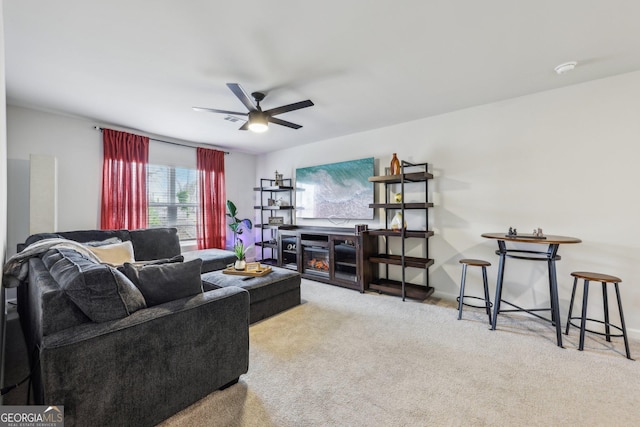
x: 290, y: 107
x: 213, y: 110
x: 245, y: 126
x: 283, y: 123
x: 242, y: 96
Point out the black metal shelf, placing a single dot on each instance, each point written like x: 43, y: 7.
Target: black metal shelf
x: 267, y: 245
x: 274, y: 188
x: 268, y: 226
x: 274, y: 208
x: 410, y: 174
x: 394, y: 287
x: 396, y: 179
x: 267, y: 208
x: 418, y: 205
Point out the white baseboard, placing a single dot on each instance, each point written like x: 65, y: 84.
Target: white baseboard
x: 632, y: 333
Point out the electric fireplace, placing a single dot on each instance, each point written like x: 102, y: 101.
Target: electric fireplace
x: 315, y: 260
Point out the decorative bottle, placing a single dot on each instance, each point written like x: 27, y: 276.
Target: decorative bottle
x: 397, y: 223
x: 395, y: 165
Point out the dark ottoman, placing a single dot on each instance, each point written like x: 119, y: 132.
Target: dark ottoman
x: 268, y: 295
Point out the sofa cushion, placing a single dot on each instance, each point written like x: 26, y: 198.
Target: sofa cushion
x: 160, y: 283
x: 98, y: 243
x: 212, y: 259
x: 155, y: 243
x: 55, y: 310
x: 148, y: 244
x: 100, y: 291
x: 114, y: 254
x: 83, y: 236
x: 41, y: 236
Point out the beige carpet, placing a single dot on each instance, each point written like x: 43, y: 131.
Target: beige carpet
x: 349, y: 359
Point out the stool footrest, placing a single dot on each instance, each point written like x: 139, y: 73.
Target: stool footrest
x: 474, y: 297
x: 597, y: 321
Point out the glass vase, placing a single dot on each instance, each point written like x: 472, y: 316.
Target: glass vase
x: 397, y: 223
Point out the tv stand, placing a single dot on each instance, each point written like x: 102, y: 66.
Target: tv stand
x: 338, y: 256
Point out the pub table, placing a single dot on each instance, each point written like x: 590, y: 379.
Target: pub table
x: 550, y: 255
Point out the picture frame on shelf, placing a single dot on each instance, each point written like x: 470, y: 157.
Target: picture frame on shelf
x: 276, y: 220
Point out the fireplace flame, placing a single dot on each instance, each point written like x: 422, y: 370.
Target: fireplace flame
x: 318, y: 264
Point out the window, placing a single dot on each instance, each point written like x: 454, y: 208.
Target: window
x: 173, y: 199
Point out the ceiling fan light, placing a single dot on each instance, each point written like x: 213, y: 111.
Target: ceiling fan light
x: 257, y: 122
x: 257, y: 127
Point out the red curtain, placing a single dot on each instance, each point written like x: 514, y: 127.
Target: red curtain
x: 212, y: 215
x: 124, y: 180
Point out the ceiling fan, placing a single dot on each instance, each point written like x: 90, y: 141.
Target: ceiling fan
x: 258, y: 119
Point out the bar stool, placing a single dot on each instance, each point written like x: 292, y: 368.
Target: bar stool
x: 487, y: 303
x: 604, y: 279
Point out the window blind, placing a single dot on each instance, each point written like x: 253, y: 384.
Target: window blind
x: 173, y: 199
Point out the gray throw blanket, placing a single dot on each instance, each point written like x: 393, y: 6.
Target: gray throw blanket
x: 16, y: 268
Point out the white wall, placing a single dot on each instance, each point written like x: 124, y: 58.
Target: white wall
x: 563, y: 160
x: 3, y: 191
x: 240, y: 175
x: 77, y: 147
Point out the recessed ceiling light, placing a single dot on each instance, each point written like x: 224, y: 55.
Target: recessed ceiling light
x: 566, y: 67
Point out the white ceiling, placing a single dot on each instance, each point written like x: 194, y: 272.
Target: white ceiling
x: 142, y: 64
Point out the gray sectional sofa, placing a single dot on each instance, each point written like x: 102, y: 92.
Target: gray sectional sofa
x: 113, y: 351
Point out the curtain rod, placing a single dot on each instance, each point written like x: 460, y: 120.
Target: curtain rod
x: 160, y: 140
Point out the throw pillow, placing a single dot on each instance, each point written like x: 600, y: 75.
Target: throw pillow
x: 130, y: 294
x: 115, y: 254
x: 166, y: 282
x: 177, y: 258
x: 155, y: 243
x: 100, y: 291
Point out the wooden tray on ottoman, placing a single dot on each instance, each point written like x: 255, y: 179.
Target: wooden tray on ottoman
x: 252, y: 269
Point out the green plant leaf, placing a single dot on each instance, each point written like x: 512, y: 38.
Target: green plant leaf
x: 236, y: 224
x: 232, y: 210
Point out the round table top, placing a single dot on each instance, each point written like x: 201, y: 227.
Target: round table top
x: 550, y: 239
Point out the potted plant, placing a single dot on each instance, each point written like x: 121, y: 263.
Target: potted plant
x: 237, y: 225
x: 240, y: 252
